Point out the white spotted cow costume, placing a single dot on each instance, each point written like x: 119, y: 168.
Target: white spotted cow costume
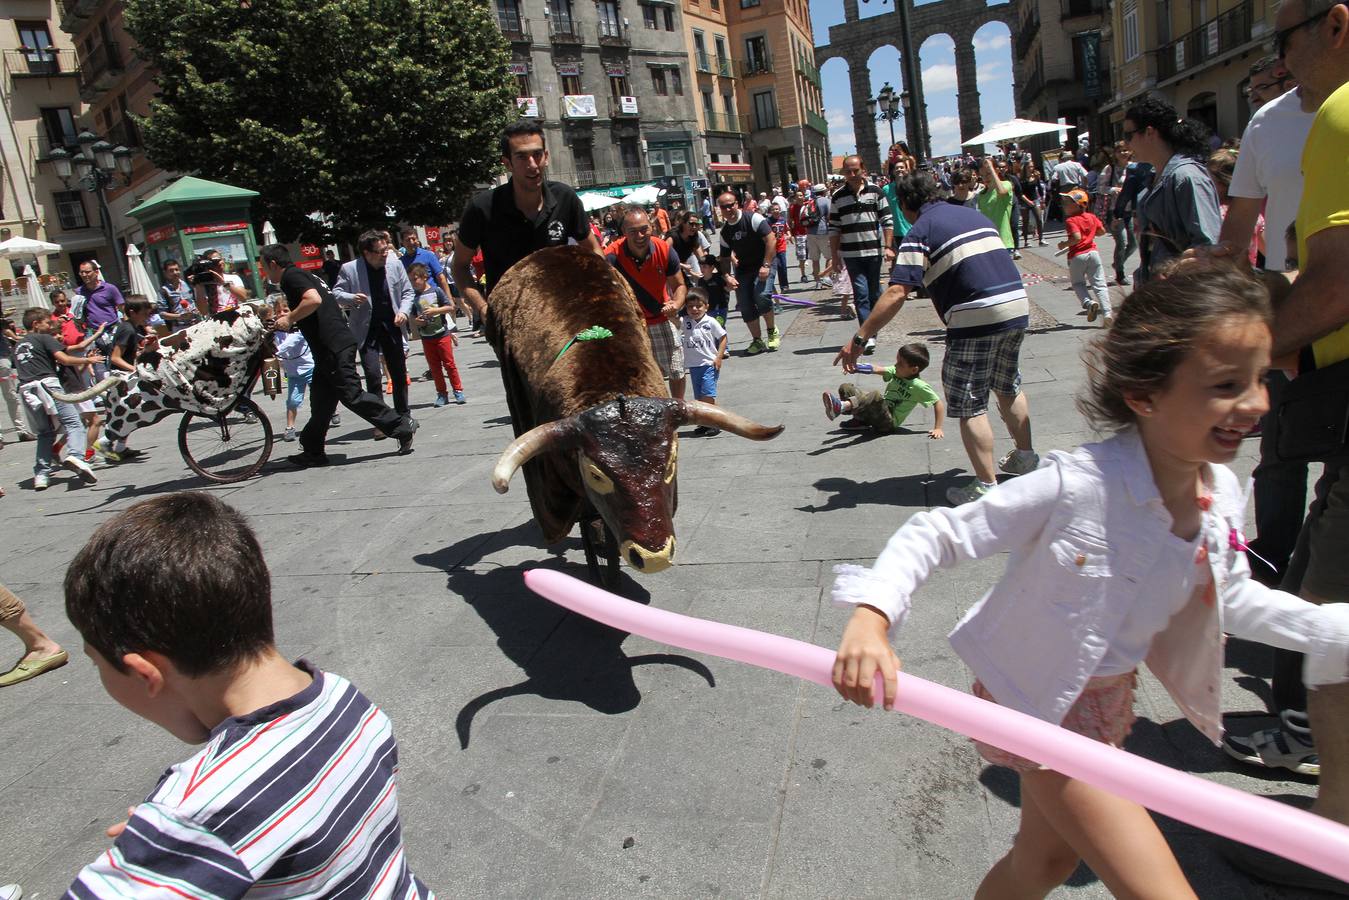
x: 204, y: 374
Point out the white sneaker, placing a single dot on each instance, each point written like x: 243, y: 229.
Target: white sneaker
x: 40, y: 482
x: 1093, y: 310
x: 958, y: 496
x: 870, y: 348
x: 80, y: 468
x: 11, y: 892
x: 1019, y: 462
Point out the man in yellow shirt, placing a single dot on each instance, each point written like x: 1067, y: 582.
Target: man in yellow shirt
x: 1312, y: 38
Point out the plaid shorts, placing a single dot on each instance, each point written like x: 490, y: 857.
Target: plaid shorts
x: 665, y: 346
x: 802, y: 251
x: 973, y: 366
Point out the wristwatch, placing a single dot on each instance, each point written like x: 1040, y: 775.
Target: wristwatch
x: 858, y: 340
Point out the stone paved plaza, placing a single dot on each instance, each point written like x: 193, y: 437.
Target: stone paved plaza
x: 545, y: 756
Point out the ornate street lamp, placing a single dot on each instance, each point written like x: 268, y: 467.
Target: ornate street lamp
x: 887, y: 102
x: 97, y: 166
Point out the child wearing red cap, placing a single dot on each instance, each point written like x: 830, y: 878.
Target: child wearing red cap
x: 1084, y: 262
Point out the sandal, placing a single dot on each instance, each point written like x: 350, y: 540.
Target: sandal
x: 32, y: 668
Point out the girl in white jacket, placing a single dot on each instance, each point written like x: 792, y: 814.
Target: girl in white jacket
x: 1119, y: 552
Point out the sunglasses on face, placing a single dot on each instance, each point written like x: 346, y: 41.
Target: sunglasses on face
x: 1129, y: 135
x: 1279, y: 44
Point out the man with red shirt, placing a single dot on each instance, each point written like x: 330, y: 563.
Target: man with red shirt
x: 1084, y: 262
x: 796, y: 226
x: 651, y: 268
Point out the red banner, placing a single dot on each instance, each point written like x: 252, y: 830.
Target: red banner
x: 309, y: 264
x: 223, y: 226
x: 310, y: 251
x: 159, y: 235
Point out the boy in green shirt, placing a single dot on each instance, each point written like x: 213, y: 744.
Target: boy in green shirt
x: 885, y: 413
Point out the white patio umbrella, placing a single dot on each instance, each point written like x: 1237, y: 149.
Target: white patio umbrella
x: 36, y: 295
x: 593, y: 200
x: 644, y: 195
x: 1012, y: 130
x: 268, y: 233
x: 22, y: 246
x: 141, y: 282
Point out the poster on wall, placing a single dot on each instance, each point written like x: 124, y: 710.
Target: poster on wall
x: 579, y: 106
x: 627, y: 106
x: 529, y: 106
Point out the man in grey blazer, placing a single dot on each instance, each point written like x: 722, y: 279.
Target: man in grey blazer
x: 374, y: 290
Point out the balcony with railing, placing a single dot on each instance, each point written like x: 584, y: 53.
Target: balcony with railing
x: 1027, y: 31
x: 725, y: 68
x: 40, y: 148
x: 564, y: 30
x: 756, y: 65
x: 99, y: 69
x: 702, y: 62
x: 1211, y: 40
x: 614, y: 34
x: 808, y: 69
x: 515, y: 28
x: 589, y: 178
x: 1072, y: 9
x: 40, y: 62
x: 816, y: 121
x: 726, y: 123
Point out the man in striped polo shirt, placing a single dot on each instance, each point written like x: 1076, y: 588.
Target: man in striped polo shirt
x: 957, y: 257
x: 860, y: 226
x: 294, y: 793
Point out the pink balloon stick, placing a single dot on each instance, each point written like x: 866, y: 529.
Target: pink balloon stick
x: 1257, y: 821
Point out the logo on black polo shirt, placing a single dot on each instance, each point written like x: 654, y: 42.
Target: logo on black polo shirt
x: 556, y: 230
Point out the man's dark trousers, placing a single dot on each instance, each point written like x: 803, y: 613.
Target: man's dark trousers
x: 386, y: 339
x: 335, y: 381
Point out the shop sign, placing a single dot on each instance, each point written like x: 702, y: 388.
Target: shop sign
x: 310, y: 251
x: 627, y: 105
x: 517, y: 68
x: 615, y: 69
x: 569, y: 69
x: 211, y: 229
x: 309, y: 265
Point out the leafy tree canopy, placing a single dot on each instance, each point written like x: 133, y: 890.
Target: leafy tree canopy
x: 344, y: 107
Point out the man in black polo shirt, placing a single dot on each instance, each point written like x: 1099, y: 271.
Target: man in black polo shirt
x: 525, y: 214
x: 315, y: 313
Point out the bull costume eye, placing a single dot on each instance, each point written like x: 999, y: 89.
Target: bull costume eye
x: 594, y: 477
x: 670, y: 465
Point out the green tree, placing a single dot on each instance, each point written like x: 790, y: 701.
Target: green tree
x: 350, y: 108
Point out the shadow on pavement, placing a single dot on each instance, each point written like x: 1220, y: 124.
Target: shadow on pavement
x: 564, y: 656
x: 902, y: 490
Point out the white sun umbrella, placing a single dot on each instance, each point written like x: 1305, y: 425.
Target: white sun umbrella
x: 136, y: 274
x: 36, y: 296
x: 593, y: 200
x: 1012, y: 130
x: 22, y: 246
x: 644, y: 195
x: 268, y: 233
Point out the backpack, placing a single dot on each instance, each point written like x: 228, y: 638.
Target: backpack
x: 811, y: 214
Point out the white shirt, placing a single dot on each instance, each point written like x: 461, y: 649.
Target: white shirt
x: 700, y: 340
x: 1069, y: 174
x: 1092, y: 587
x: 1269, y: 167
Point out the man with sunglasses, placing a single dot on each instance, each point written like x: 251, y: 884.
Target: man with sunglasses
x: 1312, y: 323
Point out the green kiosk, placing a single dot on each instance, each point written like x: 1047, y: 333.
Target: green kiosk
x: 194, y: 215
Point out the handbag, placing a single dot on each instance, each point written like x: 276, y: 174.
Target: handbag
x: 1313, y: 415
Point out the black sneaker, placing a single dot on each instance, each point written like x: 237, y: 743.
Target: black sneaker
x: 307, y: 460
x: 405, y: 440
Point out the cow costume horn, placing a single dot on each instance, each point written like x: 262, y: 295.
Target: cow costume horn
x: 695, y: 413
x: 88, y: 393
x: 541, y: 439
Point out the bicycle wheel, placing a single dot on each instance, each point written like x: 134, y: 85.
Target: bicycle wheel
x: 228, y: 447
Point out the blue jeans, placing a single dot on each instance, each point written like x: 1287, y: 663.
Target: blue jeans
x: 45, y: 461
x: 780, y: 266
x: 295, y: 387
x: 865, y: 273
x: 750, y: 294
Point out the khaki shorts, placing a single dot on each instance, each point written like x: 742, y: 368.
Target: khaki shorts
x: 666, y: 348
x: 818, y: 249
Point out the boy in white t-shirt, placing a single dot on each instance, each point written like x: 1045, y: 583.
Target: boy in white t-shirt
x: 704, y: 343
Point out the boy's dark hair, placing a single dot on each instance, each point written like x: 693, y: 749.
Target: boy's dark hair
x: 1155, y: 329
x: 519, y: 129
x: 277, y: 254
x: 419, y: 269
x: 915, y: 355
x: 697, y: 293
x: 181, y: 575
x: 34, y: 314
x: 137, y: 303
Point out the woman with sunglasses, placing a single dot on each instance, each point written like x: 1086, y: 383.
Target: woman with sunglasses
x: 1180, y: 211
x: 688, y: 241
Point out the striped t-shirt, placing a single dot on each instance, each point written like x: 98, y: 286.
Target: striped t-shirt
x: 858, y: 219
x: 298, y: 799
x: 957, y: 256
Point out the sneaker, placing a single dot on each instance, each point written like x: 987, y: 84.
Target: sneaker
x: 832, y: 406
x: 441, y: 400
x: 1288, y: 745
x: 11, y: 892
x: 405, y: 442
x: 958, y: 496
x: 289, y: 435
x: 1019, y: 462
x: 1093, y: 310
x: 755, y: 347
x: 336, y: 419
x: 1016, y: 254
x: 848, y: 313
x: 1108, y: 321
x: 88, y: 454
x: 870, y: 348
x: 459, y: 398
x: 774, y: 339
x: 80, y: 468
x: 104, y: 449
x: 40, y: 482
x: 250, y: 417
x: 307, y: 460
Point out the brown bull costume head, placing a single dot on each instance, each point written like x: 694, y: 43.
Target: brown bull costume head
x: 626, y: 457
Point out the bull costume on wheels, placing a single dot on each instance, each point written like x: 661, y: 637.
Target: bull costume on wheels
x: 594, y: 425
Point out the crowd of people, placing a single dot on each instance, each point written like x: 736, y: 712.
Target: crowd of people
x: 1120, y: 551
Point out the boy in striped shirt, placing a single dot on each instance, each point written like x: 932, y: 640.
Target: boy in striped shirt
x: 294, y: 793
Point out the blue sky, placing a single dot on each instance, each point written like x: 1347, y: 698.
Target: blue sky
x: 993, y: 54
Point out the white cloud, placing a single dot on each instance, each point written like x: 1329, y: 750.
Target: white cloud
x: 841, y: 137
x: 939, y: 77
x: 992, y: 42
x: 945, y: 134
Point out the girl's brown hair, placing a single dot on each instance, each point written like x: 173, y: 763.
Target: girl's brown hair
x: 1158, y: 325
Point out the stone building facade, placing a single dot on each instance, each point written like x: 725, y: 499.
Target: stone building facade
x: 1062, y: 54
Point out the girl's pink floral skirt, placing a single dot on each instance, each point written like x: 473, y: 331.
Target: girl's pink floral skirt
x: 1104, y: 712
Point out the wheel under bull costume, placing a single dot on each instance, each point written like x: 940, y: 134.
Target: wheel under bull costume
x: 594, y: 425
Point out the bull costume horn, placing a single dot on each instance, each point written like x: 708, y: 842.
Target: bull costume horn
x: 88, y: 393
x: 696, y: 413
x: 540, y: 439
